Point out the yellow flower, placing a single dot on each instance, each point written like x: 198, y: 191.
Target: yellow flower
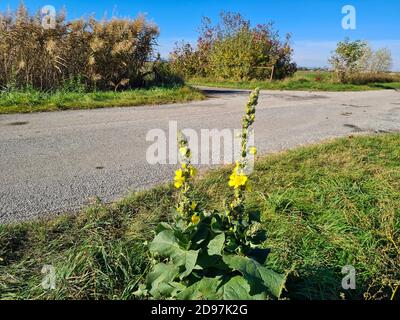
x: 253, y: 150
x: 195, y: 219
x: 179, y: 179
x: 237, y: 180
x: 193, y: 206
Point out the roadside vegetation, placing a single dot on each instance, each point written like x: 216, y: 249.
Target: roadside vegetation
x: 308, y: 80
x: 233, y: 54
x: 82, y: 64
x: 30, y: 100
x: 232, y: 49
x: 323, y: 207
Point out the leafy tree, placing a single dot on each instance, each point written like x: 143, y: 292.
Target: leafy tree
x: 232, y: 49
x: 376, y: 61
x: 346, y: 58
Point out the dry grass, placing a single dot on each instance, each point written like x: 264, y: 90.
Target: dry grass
x: 102, y: 55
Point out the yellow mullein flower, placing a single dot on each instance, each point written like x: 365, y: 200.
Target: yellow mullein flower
x: 195, y: 219
x: 179, y: 179
x: 237, y: 180
x: 253, y: 150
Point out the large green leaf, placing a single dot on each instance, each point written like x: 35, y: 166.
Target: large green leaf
x: 216, y: 245
x: 201, y: 234
x: 236, y: 289
x: 256, y: 274
x: 166, y: 245
x: 160, y: 278
x: 205, y: 289
x: 211, y: 263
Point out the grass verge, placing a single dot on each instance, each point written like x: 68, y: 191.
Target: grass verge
x: 324, y: 207
x: 35, y: 101
x: 302, y: 80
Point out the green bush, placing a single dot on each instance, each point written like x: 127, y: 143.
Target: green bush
x: 236, y: 51
x: 160, y: 73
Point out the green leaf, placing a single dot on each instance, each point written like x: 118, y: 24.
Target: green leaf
x: 211, y: 263
x: 216, y: 224
x: 206, y: 288
x: 162, y: 227
x: 166, y: 245
x: 201, y: 234
x: 236, y: 289
x: 160, y: 278
x: 216, y: 245
x: 256, y: 274
x: 189, y: 258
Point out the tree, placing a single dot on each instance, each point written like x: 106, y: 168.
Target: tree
x: 233, y: 49
x: 381, y: 60
x: 376, y: 61
x: 347, y: 56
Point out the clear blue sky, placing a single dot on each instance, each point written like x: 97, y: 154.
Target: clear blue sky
x: 315, y: 24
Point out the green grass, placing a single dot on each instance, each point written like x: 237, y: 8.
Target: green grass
x: 35, y: 101
x: 324, y: 207
x: 302, y: 80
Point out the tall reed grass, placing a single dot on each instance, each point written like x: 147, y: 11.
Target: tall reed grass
x: 107, y: 54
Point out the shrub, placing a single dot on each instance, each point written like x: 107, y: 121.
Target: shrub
x: 105, y: 55
x: 376, y: 61
x: 346, y: 58
x: 234, y: 50
x: 355, y: 62
x: 160, y: 73
x: 372, y: 77
x: 212, y: 255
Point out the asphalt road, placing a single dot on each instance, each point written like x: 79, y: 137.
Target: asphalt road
x: 58, y: 162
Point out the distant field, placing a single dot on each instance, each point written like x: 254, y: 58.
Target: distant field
x: 36, y: 101
x: 302, y: 80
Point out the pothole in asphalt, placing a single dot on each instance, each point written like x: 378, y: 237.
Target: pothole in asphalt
x: 18, y: 123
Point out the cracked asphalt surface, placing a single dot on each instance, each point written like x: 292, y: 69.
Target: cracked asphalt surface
x: 57, y: 162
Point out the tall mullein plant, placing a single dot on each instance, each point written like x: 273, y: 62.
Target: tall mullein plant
x: 213, y: 255
x: 239, y: 180
x: 185, y: 207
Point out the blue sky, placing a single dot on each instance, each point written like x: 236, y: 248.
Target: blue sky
x: 315, y: 25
